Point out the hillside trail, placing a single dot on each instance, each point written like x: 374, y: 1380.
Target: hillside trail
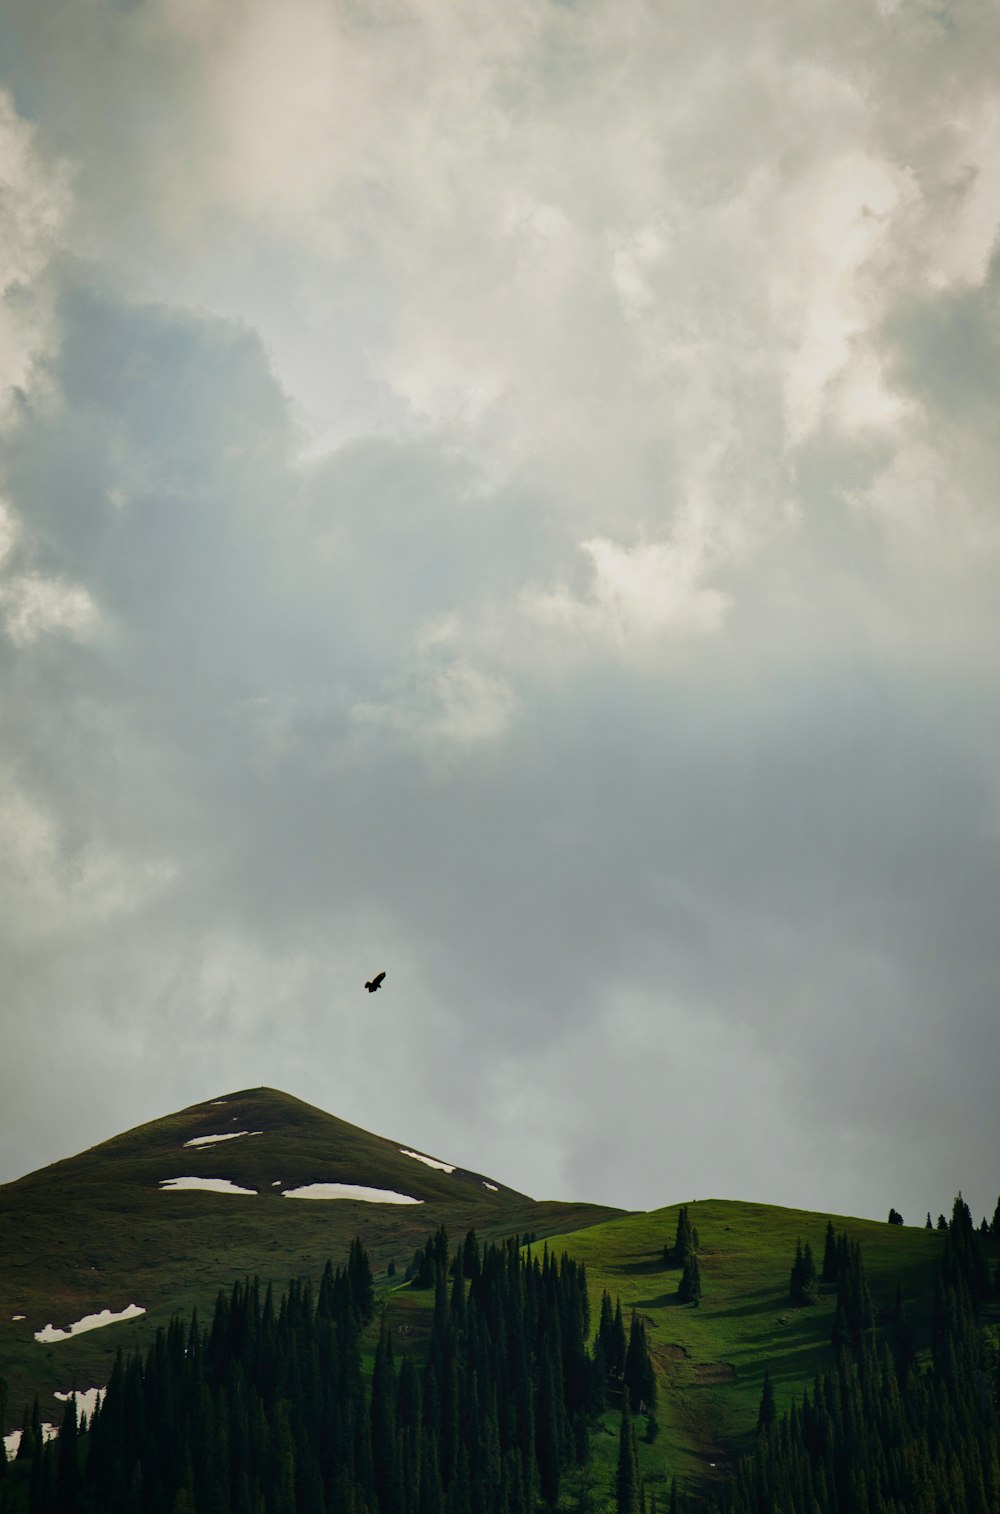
x: 694, y: 1405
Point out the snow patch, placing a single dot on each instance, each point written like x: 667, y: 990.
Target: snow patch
x: 18, y: 1316
x: 212, y: 1140
x: 349, y: 1191
x: 428, y: 1161
x: 86, y: 1402
x: 491, y: 1186
x: 89, y: 1322
x: 214, y: 1103
x: 210, y: 1185
x: 13, y: 1440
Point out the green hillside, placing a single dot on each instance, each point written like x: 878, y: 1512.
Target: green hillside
x: 97, y: 1232
x: 710, y: 1359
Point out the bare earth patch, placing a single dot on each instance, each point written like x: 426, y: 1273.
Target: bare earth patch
x: 714, y: 1372
x: 670, y: 1352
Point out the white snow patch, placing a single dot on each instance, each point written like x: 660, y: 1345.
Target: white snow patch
x: 210, y: 1185
x: 491, y: 1186
x: 215, y: 1102
x: 276, y: 1183
x: 89, y: 1322
x: 86, y: 1402
x: 13, y: 1440
x: 211, y: 1140
x: 428, y: 1161
x: 349, y: 1191
x: 18, y: 1316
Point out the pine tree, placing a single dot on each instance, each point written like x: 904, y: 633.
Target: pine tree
x: 684, y: 1240
x: 639, y: 1377
x: 802, y: 1282
x: 767, y: 1413
x: 829, y: 1273
x: 627, y: 1481
x: 547, y: 1436
x: 68, y: 1466
x: 689, y: 1288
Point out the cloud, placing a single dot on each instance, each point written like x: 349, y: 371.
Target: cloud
x: 649, y: 592
x: 507, y: 499
x: 34, y: 202
x: 32, y: 606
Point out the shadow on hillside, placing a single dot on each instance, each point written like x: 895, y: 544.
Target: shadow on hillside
x: 788, y: 1367
x: 765, y: 1305
x: 648, y: 1264
x: 662, y: 1301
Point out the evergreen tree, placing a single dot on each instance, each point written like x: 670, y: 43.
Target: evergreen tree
x: 767, y: 1413
x: 639, y: 1377
x: 684, y: 1241
x: 547, y: 1432
x: 627, y: 1480
x: 873, y: 1438
x: 689, y: 1288
x: 829, y: 1273
x: 802, y: 1282
x: 928, y: 1225
x: 68, y: 1466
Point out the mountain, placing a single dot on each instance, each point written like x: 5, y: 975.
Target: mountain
x: 106, y: 1230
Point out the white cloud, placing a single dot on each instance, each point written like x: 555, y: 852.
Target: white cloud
x: 33, y: 206
x: 52, y: 885
x: 640, y: 598
x: 450, y: 705
x: 33, y: 606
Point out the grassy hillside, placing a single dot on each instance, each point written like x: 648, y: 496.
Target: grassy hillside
x: 97, y: 1231
x: 710, y: 1359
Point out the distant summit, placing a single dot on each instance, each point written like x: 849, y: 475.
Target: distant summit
x: 253, y: 1183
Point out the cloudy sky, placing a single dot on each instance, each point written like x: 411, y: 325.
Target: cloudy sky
x: 507, y: 494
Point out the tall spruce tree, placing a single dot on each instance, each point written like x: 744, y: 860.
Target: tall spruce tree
x: 767, y: 1414
x: 639, y: 1377
x: 689, y: 1287
x: 684, y: 1240
x: 829, y: 1272
x: 802, y: 1282
x: 628, y: 1488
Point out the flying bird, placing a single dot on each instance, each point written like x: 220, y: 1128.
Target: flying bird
x: 375, y: 983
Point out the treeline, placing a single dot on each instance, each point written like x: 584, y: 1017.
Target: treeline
x: 878, y: 1435
x: 266, y: 1410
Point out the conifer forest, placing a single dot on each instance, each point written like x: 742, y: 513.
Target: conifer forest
x: 270, y: 1408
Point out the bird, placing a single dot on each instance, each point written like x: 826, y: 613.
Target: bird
x: 375, y: 983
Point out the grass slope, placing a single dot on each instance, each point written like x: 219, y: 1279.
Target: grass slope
x: 710, y: 1360
x: 96, y: 1231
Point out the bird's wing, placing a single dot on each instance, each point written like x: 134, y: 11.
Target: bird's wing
x: 378, y: 979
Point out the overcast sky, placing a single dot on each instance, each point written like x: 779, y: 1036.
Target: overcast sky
x: 506, y: 494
